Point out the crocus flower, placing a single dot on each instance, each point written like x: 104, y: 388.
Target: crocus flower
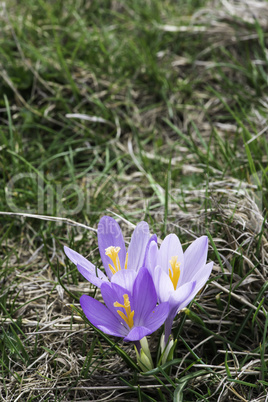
x: 131, y: 315
x: 177, y: 276
x: 120, y: 266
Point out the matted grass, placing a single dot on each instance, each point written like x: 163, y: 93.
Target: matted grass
x: 152, y: 111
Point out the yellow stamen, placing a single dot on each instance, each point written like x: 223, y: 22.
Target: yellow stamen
x: 175, y: 273
x: 112, y: 252
x: 126, y: 261
x: 128, y: 317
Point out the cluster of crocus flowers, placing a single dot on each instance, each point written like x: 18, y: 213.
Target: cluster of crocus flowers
x: 144, y: 286
x: 131, y: 314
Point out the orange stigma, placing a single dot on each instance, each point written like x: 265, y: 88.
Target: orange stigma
x: 174, y: 272
x: 128, y: 317
x: 112, y: 252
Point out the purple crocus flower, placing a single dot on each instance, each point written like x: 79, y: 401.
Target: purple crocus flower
x: 121, y: 266
x: 129, y: 314
x: 178, y: 276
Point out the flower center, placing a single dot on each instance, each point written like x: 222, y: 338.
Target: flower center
x: 128, y: 317
x: 174, y: 272
x: 112, y: 252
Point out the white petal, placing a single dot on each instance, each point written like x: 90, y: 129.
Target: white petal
x: 152, y: 257
x: 195, y: 257
x: 170, y: 247
x: 181, y: 297
x: 125, y: 278
x: 137, y: 246
x: 202, y: 276
x: 163, y: 285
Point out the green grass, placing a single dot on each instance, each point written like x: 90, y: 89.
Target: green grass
x: 175, y: 135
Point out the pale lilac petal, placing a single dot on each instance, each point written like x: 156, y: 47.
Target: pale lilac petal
x: 137, y: 333
x: 179, y: 298
x: 85, y: 267
x: 163, y: 285
x: 170, y: 247
x: 91, y: 276
x: 137, y: 246
x: 151, y: 255
x: 202, y: 275
x: 200, y: 279
x: 125, y: 278
x: 192, y: 288
x: 144, y: 296
x: 77, y: 258
x: 101, y: 317
x: 109, y: 234
x: 195, y: 257
x: 157, y: 317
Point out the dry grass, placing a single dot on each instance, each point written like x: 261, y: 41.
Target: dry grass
x: 191, y: 160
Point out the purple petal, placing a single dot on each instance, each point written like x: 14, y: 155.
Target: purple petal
x: 153, y: 322
x: 137, y: 333
x: 111, y: 293
x: 137, y: 246
x: 168, y: 327
x: 157, y: 317
x: 144, y: 296
x: 151, y: 254
x: 125, y: 278
x: 85, y: 267
x: 109, y: 234
x: 195, y: 257
x: 170, y: 247
x: 163, y: 285
x: 91, y: 275
x: 101, y: 317
x: 77, y: 258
